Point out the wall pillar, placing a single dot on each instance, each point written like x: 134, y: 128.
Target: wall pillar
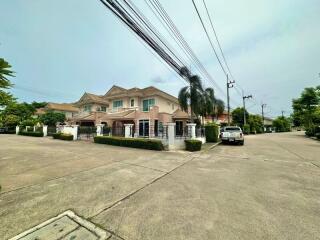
x: 45, y: 130
x: 17, y: 130
x: 192, y: 129
x: 99, y: 129
x: 128, y: 130
x: 170, y: 133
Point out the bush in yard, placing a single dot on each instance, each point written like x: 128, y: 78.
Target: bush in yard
x: 62, y: 136
x: 130, y: 142
x: 56, y: 135
x: 246, y: 129
x: 31, y: 134
x: 193, y: 145
x: 66, y: 137
x: 318, y: 136
x: 212, y: 132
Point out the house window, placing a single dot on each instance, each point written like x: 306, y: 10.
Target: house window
x: 143, y: 128
x: 87, y: 108
x: 103, y: 108
x: 147, y: 103
x: 117, y: 104
x: 132, y: 103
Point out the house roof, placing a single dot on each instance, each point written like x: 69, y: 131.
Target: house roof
x: 179, y: 114
x: 129, y: 114
x: 40, y: 111
x: 118, y: 92
x: 91, y: 98
x: 62, y: 107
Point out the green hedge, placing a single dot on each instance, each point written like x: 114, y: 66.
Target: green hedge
x: 56, y: 135
x: 212, y: 132
x: 62, y: 136
x: 31, y: 134
x: 130, y: 142
x: 246, y: 129
x: 193, y: 145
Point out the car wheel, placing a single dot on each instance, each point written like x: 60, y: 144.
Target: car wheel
x: 242, y: 143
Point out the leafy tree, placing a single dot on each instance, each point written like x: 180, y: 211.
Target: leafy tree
x: 5, y: 97
x: 38, y: 104
x: 11, y: 120
x: 52, y: 118
x: 306, y: 110
x: 256, y: 123
x: 237, y: 116
x: 282, y: 124
x: 23, y: 110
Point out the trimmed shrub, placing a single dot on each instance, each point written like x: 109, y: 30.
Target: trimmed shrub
x: 310, y: 132
x: 62, y: 136
x: 66, y: 137
x: 212, y: 132
x: 56, y: 135
x: 318, y: 136
x: 193, y: 145
x: 31, y: 134
x: 246, y: 129
x: 130, y: 142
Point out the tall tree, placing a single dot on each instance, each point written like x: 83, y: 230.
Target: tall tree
x: 191, y: 95
x: 237, y: 116
x: 5, y: 71
x: 305, y: 107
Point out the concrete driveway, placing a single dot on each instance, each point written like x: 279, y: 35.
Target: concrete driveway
x: 267, y: 189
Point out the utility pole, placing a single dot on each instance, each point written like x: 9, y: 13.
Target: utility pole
x: 229, y: 85
x: 263, y: 105
x: 244, y: 106
x: 282, y: 113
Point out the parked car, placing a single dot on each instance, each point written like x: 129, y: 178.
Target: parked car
x: 232, y: 134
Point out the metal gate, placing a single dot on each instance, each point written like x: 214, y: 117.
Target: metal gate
x: 86, y: 132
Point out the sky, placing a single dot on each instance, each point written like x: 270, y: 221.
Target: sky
x: 61, y: 49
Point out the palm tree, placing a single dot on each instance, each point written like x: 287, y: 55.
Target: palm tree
x: 5, y: 71
x: 191, y: 95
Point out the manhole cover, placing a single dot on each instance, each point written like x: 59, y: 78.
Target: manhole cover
x: 66, y: 226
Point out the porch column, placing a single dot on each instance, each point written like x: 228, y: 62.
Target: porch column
x: 128, y: 130
x: 17, y: 129
x: 99, y: 129
x: 170, y: 133
x: 45, y: 130
x: 192, y: 129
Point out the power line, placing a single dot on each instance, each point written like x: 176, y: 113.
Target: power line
x: 210, y: 41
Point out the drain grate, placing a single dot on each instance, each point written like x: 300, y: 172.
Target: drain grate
x: 66, y: 226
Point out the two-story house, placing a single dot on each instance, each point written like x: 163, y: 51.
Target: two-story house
x: 148, y: 109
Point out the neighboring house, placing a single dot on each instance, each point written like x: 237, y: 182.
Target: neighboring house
x: 148, y: 109
x: 68, y: 109
x: 221, y: 119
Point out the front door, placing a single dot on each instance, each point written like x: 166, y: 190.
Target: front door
x: 179, y: 128
x: 144, y: 128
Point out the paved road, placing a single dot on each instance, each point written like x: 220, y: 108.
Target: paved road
x: 267, y: 189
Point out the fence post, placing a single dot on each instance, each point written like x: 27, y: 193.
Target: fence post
x: 17, y: 129
x: 170, y: 133
x: 45, y: 130
x: 75, y: 132
x: 192, y: 128
x: 128, y: 130
x: 99, y: 129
